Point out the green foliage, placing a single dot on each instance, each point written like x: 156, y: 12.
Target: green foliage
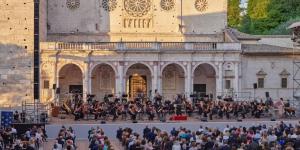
x: 270, y: 16
x: 282, y: 29
x: 258, y: 8
x: 234, y: 11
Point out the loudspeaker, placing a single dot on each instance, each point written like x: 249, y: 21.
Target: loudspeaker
x: 58, y: 91
x: 204, y: 119
x: 134, y: 121
x: 267, y: 94
x: 255, y: 85
x: 239, y: 120
x: 103, y: 122
x: 273, y: 119
x: 54, y: 86
x: 43, y: 117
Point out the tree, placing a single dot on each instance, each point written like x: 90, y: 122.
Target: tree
x: 267, y: 16
x: 234, y: 12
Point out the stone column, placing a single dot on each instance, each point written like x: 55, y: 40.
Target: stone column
x: 236, y: 78
x: 56, y: 78
x: 86, y: 81
x: 219, y: 80
x: 155, y: 78
x: 54, y: 81
x: 120, y: 86
x: 159, y: 78
x: 188, y: 80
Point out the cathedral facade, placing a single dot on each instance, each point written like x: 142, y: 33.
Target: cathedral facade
x: 128, y: 47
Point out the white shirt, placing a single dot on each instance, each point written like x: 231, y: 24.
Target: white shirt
x: 176, y: 146
x: 272, y: 138
x: 13, y: 130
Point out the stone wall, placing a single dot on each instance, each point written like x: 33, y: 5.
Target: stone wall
x: 273, y: 67
x: 16, y: 47
x: 155, y: 20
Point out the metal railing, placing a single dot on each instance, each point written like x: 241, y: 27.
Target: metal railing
x: 34, y: 110
x: 123, y: 46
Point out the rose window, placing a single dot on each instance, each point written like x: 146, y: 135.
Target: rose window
x: 137, y: 8
x: 167, y: 4
x: 109, y: 5
x: 201, y: 5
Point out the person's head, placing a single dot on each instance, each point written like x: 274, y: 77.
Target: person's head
x: 69, y: 147
x: 55, y: 146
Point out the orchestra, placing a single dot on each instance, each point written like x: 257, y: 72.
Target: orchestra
x: 141, y: 107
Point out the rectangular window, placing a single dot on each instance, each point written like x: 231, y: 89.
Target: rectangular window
x: 227, y: 84
x: 283, y: 82
x: 46, y: 84
x: 261, y: 83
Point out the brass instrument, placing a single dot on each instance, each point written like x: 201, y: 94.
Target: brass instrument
x: 66, y: 106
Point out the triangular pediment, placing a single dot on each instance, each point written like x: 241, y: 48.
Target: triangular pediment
x: 284, y: 73
x: 261, y: 72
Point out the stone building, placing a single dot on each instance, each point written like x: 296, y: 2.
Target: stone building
x: 173, y: 47
x: 16, y: 51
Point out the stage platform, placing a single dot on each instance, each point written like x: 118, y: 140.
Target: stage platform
x: 81, y: 127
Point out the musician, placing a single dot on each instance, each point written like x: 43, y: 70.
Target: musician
x: 86, y: 109
x: 178, y: 104
x: 157, y: 98
x: 159, y: 111
x: 205, y: 110
x: 150, y: 111
x: 132, y: 112
x: 89, y: 99
x: 258, y: 111
x: 214, y: 111
x: 104, y: 110
x: 200, y: 108
x: 169, y: 107
x: 97, y: 110
x: 113, y: 110
x: 228, y: 110
x: 106, y: 99
x: 78, y: 113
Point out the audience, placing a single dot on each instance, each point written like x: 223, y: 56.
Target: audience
x: 65, y: 139
x: 98, y: 140
x: 275, y: 137
x: 32, y: 139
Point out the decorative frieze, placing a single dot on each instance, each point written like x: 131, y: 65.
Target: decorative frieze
x: 73, y: 4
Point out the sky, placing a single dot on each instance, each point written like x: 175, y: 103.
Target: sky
x: 244, y: 3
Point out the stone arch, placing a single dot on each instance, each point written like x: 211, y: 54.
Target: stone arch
x: 142, y: 63
x: 173, y: 80
x: 61, y: 65
x: 70, y: 78
x: 176, y: 63
x: 103, y: 80
x: 209, y: 63
x: 204, y: 80
x: 102, y: 63
x: 138, y: 79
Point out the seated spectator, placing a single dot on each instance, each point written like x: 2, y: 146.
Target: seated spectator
x: 280, y: 136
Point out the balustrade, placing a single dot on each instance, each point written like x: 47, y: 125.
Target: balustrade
x: 124, y: 46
